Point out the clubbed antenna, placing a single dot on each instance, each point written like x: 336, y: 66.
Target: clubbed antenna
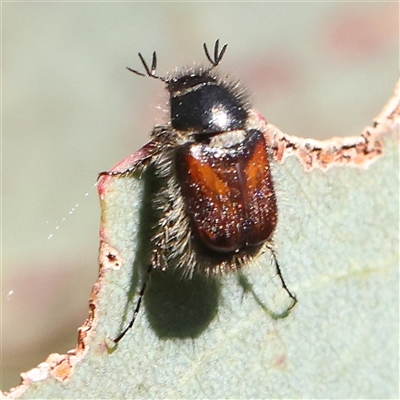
x: 150, y: 72
x: 217, y: 54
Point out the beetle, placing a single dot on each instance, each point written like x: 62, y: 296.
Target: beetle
x: 216, y: 200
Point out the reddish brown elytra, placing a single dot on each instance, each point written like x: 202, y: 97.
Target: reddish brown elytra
x: 229, y: 193
x: 216, y: 201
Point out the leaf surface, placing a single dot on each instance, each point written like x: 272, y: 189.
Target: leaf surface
x: 337, y: 245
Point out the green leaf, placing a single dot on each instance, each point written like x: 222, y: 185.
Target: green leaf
x: 337, y: 246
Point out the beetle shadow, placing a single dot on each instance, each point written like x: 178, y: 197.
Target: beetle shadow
x: 248, y: 287
x: 176, y: 307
